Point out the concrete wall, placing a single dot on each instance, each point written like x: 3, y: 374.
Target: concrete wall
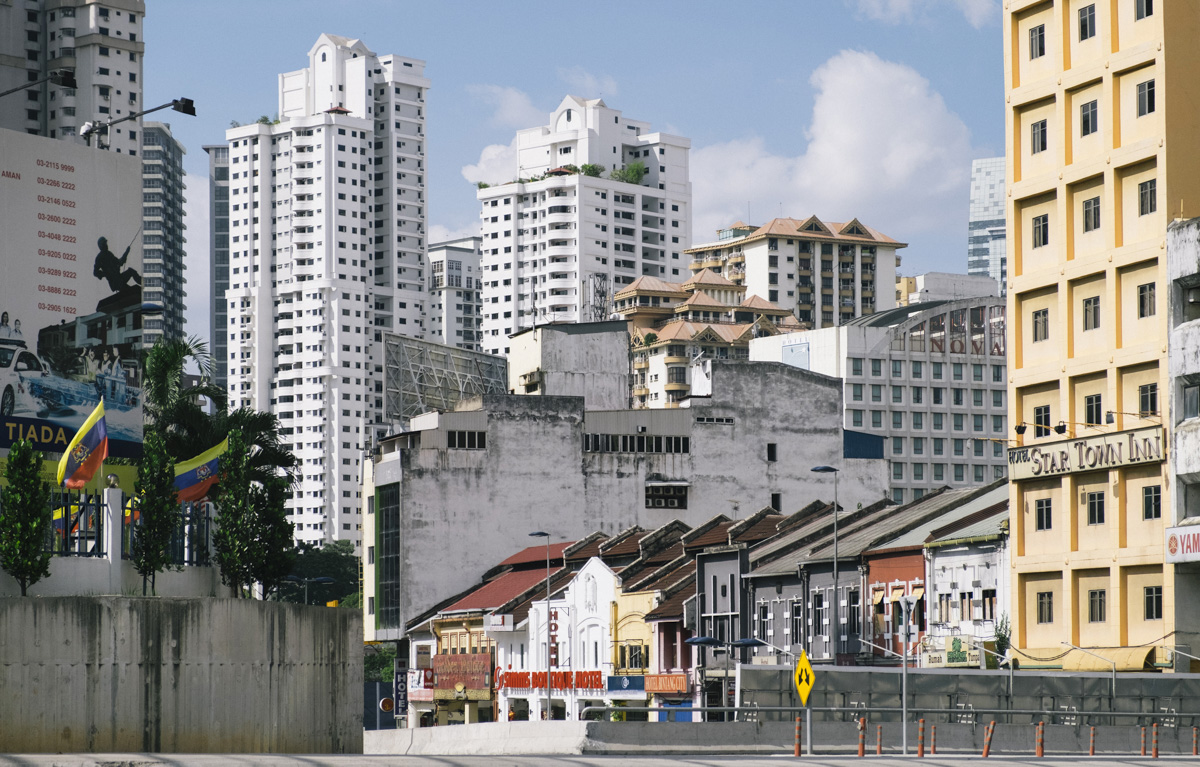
x: 86, y: 674
x: 589, y: 360
x: 751, y: 737
x: 111, y: 573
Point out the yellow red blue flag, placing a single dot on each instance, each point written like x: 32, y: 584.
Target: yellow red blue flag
x: 196, y: 476
x: 86, y: 451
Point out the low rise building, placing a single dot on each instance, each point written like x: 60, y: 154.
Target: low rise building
x: 454, y: 282
x: 674, y: 324
x: 931, y: 379
x: 586, y: 359
x: 942, y: 286
x: 456, y: 486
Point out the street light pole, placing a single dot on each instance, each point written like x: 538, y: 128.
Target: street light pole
x: 306, y: 581
x: 542, y: 534
x: 837, y: 624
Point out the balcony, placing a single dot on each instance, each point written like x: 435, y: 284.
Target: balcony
x: 640, y: 391
x: 676, y: 386
x: 641, y: 364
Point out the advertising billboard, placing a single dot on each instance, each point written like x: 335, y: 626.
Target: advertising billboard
x: 71, y: 297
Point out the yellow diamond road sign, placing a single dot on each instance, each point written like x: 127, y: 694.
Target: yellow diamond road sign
x: 804, y: 677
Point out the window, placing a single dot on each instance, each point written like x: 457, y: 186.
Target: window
x: 1043, y: 509
x: 877, y: 419
x: 818, y: 613
x: 876, y: 367
x: 856, y: 367
x: 1091, y: 313
x: 1041, y: 325
x: 797, y: 613
x: 771, y: 452
x: 1092, y: 410
x: 1096, y: 606
x: 1148, y: 399
x: 1147, y: 197
x: 1142, y: 9
x: 1041, y: 420
x: 1145, y: 96
x: 1095, y: 508
x: 898, y: 471
x: 1146, y: 307
x: 1087, y: 22
x: 1152, y: 502
x: 1089, y: 121
x: 1037, y: 41
x: 1037, y: 135
x: 852, y: 612
x: 876, y: 393
x: 856, y: 392
x: 466, y: 440
x: 1153, y: 596
x: 937, y: 371
x: 1045, y: 607
x: 1041, y: 230
x: 917, y: 372
x: 1091, y: 214
x: 897, y: 368
x: 898, y: 394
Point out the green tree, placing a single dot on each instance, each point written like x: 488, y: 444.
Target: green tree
x: 630, y: 174
x: 591, y: 169
x: 159, y: 510
x: 335, y: 560
x: 379, y: 662
x: 253, y: 539
x: 25, y: 522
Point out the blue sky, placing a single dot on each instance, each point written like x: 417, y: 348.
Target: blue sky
x: 838, y: 108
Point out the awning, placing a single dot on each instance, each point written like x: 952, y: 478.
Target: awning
x: 897, y: 593
x: 918, y: 592
x: 1125, y: 658
x: 877, y: 598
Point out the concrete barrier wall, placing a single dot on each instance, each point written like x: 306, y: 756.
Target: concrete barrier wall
x: 115, y: 674
x: 646, y: 738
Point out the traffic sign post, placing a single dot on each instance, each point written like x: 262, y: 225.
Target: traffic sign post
x: 804, y: 678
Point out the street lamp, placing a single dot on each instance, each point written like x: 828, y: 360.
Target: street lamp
x: 542, y: 534
x: 306, y: 581
x: 837, y: 623
x: 63, y: 78
x: 182, y: 105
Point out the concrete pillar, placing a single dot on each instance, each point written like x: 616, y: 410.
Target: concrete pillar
x: 471, y: 712
x: 113, y: 528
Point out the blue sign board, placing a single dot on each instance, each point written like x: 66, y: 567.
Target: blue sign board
x: 626, y: 684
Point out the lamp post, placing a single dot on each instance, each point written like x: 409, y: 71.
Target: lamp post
x: 182, y: 105
x: 306, y: 581
x: 837, y: 624
x: 63, y: 78
x: 543, y: 534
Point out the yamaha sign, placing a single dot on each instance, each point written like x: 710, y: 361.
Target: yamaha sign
x: 1183, y: 544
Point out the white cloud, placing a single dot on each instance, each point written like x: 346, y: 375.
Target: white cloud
x: 976, y: 12
x: 197, y: 308
x: 497, y: 163
x: 586, y: 85
x: 882, y: 146
x: 979, y: 12
x: 439, y: 233
x: 512, y: 108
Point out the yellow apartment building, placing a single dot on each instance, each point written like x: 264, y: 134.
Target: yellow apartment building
x: 1103, y: 150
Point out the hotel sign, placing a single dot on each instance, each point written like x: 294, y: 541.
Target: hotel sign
x: 1103, y: 451
x: 1183, y: 544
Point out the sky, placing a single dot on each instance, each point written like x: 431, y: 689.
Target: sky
x: 836, y: 108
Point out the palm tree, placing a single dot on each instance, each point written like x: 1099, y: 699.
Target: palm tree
x: 175, y: 411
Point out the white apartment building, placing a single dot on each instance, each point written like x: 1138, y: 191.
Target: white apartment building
x: 825, y: 273
x: 101, y: 42
x: 558, y: 243
x: 327, y: 242
x: 930, y: 378
x: 454, y: 287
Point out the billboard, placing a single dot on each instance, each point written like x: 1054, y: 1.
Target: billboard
x: 71, y: 297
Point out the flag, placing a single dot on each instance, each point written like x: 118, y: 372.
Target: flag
x: 195, y: 477
x: 86, y: 453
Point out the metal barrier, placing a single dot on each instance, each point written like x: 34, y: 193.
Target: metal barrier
x: 191, y: 540
x: 77, y: 524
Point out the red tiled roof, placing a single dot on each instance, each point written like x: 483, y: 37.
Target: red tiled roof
x: 627, y: 545
x: 672, y: 608
x: 717, y: 536
x: 535, y: 554
x: 499, y: 590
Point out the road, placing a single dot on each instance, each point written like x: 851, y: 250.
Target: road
x: 266, y: 760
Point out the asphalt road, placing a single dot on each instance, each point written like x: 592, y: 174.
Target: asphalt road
x: 267, y: 760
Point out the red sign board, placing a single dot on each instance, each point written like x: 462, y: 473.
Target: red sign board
x: 470, y: 670
x: 559, y: 680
